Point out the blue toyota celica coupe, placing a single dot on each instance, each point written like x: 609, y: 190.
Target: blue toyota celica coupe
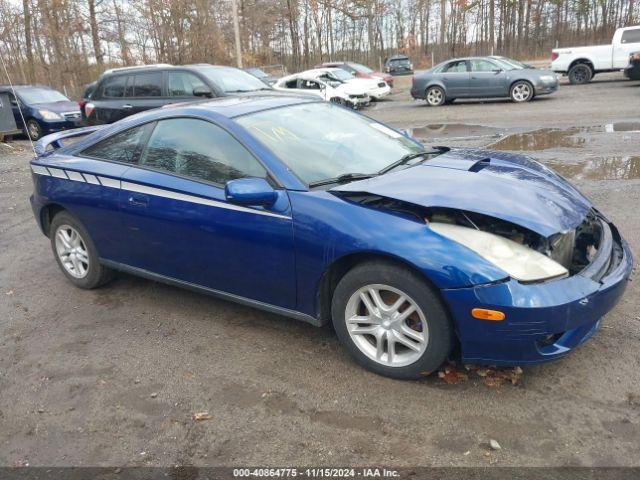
x: 319, y: 213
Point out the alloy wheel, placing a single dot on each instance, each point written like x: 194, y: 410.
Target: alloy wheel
x: 434, y: 96
x: 521, y: 92
x: 33, y: 130
x: 386, y: 325
x: 72, y: 251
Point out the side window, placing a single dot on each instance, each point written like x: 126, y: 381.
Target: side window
x: 199, y: 149
x: 182, y: 84
x: 478, y: 65
x: 145, y: 85
x: 309, y: 85
x: 291, y: 83
x: 455, y: 67
x: 121, y: 147
x: 631, y: 36
x: 114, y: 87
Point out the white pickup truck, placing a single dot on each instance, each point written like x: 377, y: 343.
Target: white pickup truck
x: 582, y: 63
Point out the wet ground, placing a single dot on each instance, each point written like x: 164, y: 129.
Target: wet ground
x: 114, y: 376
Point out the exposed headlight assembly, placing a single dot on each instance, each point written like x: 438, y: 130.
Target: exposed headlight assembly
x: 519, y: 261
x: 49, y: 115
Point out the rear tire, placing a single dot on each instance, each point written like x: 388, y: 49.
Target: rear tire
x: 435, y: 96
x: 75, y: 252
x: 580, y: 74
x: 404, y: 339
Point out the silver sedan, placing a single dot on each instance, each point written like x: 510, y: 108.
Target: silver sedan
x: 482, y: 77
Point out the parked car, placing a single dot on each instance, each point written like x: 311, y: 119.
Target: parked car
x: 125, y: 91
x: 310, y: 210
x: 359, y: 70
x: 45, y: 110
x: 376, y: 88
x: 582, y: 63
x: 86, y: 96
x: 632, y: 72
x: 481, y: 77
x: 262, y: 75
x: 398, y: 65
x: 347, y: 94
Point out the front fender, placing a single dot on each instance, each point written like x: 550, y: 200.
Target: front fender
x: 328, y: 228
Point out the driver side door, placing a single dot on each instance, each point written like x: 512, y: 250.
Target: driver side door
x: 487, y: 79
x: 182, y: 227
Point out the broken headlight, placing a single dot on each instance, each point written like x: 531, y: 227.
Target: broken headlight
x: 519, y: 261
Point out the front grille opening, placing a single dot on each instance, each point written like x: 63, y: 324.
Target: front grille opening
x: 549, y: 339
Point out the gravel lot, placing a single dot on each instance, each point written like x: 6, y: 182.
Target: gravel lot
x: 114, y: 376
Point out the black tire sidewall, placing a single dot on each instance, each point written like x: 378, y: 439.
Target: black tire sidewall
x: 96, y: 273
x: 440, y: 329
x: 580, y: 66
x: 426, y: 96
x: 33, y: 122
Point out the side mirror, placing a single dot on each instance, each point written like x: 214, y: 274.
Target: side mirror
x: 250, y: 192
x: 202, y: 91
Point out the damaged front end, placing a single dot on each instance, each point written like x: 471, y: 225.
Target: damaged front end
x: 525, y: 255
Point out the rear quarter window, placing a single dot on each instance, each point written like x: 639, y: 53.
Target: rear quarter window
x: 122, y: 147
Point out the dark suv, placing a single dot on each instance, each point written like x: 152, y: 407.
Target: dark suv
x: 124, y: 91
x: 398, y: 65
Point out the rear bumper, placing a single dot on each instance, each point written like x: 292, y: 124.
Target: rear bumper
x: 543, y: 321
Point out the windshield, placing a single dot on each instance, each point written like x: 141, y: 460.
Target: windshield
x: 256, y: 72
x: 41, y: 95
x: 508, y: 63
x: 231, y: 80
x: 360, y: 68
x: 341, y: 75
x: 320, y: 141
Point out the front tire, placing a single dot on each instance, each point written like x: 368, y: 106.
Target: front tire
x: 391, y: 321
x: 34, y: 130
x: 521, y: 92
x: 75, y: 253
x: 580, y: 74
x: 435, y: 96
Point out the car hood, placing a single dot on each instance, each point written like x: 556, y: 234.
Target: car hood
x: 59, y: 107
x: 511, y: 187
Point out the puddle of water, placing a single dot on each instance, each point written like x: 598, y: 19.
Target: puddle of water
x: 622, y: 127
x: 599, y: 168
x: 544, y: 139
x: 453, y: 130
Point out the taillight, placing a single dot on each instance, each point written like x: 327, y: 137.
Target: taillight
x: 81, y: 104
x: 413, y: 79
x: 554, y: 55
x: 88, y: 108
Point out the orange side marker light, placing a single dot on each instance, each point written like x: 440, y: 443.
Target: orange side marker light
x: 484, y: 314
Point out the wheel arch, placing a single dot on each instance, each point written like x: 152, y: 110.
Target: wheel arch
x: 582, y: 60
x: 340, y: 266
x: 47, y: 213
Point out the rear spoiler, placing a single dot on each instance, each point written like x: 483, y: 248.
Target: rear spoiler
x: 55, y: 138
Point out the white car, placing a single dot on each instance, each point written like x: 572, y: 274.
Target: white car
x: 376, y: 88
x: 353, y: 96
x: 582, y: 63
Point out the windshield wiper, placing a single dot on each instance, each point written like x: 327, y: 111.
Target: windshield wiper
x: 345, y: 177
x: 404, y: 160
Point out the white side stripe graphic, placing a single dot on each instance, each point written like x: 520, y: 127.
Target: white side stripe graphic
x: 135, y: 187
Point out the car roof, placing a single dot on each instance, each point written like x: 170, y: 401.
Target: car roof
x: 161, y: 66
x: 234, y: 106
x: 24, y: 87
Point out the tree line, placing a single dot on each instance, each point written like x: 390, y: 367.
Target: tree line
x: 68, y: 43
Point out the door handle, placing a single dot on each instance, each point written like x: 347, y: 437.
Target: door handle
x: 138, y: 200
x: 127, y: 106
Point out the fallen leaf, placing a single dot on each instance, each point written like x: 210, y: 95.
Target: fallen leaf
x: 200, y: 416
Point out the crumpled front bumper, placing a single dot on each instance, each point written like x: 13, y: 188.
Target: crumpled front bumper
x: 543, y: 321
